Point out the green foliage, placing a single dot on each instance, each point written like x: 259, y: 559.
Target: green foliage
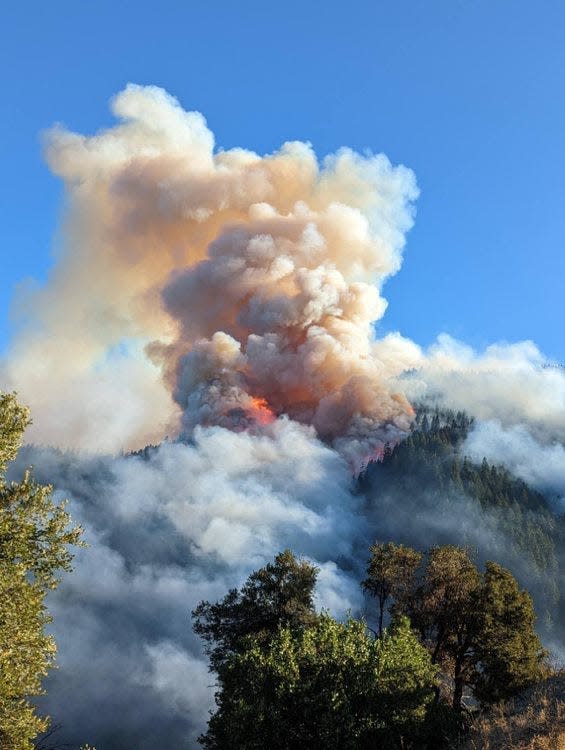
x: 289, y: 679
x: 428, y: 468
x: 34, y: 547
x: 326, y: 686
x: 281, y: 593
x: 479, y: 627
x: 508, y: 649
x: 14, y: 419
x: 390, y: 572
x: 443, y: 610
x: 442, y: 604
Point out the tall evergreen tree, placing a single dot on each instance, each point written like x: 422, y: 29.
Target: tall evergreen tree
x: 507, y: 648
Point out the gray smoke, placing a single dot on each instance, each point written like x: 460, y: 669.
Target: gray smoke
x: 539, y: 464
x: 230, y: 298
x: 184, y: 523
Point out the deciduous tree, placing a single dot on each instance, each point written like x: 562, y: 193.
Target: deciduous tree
x: 327, y: 686
x: 280, y: 594
x: 479, y: 627
x: 390, y: 573
x: 35, y: 536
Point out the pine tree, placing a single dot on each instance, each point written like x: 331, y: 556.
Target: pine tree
x: 507, y: 648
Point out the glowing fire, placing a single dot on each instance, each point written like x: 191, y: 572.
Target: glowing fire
x: 259, y: 411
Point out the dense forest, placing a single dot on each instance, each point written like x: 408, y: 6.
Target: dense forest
x: 429, y: 473
x: 449, y: 637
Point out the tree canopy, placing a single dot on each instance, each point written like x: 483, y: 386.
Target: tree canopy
x: 328, y: 686
x: 279, y: 594
x: 479, y: 627
x: 290, y: 679
x: 35, y: 536
x: 390, y: 573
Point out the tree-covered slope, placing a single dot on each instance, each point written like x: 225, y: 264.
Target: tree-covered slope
x: 428, y: 475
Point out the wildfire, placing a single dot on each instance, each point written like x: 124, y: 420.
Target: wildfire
x: 401, y: 399
x: 259, y: 411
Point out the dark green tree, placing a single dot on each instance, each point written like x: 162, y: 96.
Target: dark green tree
x: 280, y: 594
x: 507, y: 648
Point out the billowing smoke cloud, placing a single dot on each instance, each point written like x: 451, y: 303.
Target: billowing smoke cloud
x: 198, y: 290
x: 229, y: 300
x: 252, y: 282
x: 516, y: 395
x: 184, y: 523
x: 540, y: 465
x: 512, y: 383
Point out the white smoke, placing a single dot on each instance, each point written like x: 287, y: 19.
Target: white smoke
x: 246, y: 279
x: 195, y: 290
x: 511, y: 383
x: 540, y: 465
x: 184, y: 523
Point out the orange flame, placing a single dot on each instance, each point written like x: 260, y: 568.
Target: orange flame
x: 260, y: 411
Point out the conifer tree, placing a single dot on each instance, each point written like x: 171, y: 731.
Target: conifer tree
x: 507, y: 648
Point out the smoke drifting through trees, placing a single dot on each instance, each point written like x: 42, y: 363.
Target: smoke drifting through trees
x: 196, y: 291
x: 186, y: 524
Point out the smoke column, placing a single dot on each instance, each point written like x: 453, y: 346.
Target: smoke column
x: 226, y: 301
x: 215, y: 287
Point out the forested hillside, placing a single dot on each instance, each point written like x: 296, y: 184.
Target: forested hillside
x: 461, y: 578
x: 430, y: 473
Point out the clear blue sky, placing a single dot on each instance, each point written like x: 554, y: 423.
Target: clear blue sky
x: 469, y: 93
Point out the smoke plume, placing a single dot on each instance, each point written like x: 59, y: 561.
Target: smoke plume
x: 227, y: 301
x: 540, y: 465
x: 250, y: 283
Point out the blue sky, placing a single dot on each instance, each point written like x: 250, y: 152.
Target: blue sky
x: 468, y: 93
